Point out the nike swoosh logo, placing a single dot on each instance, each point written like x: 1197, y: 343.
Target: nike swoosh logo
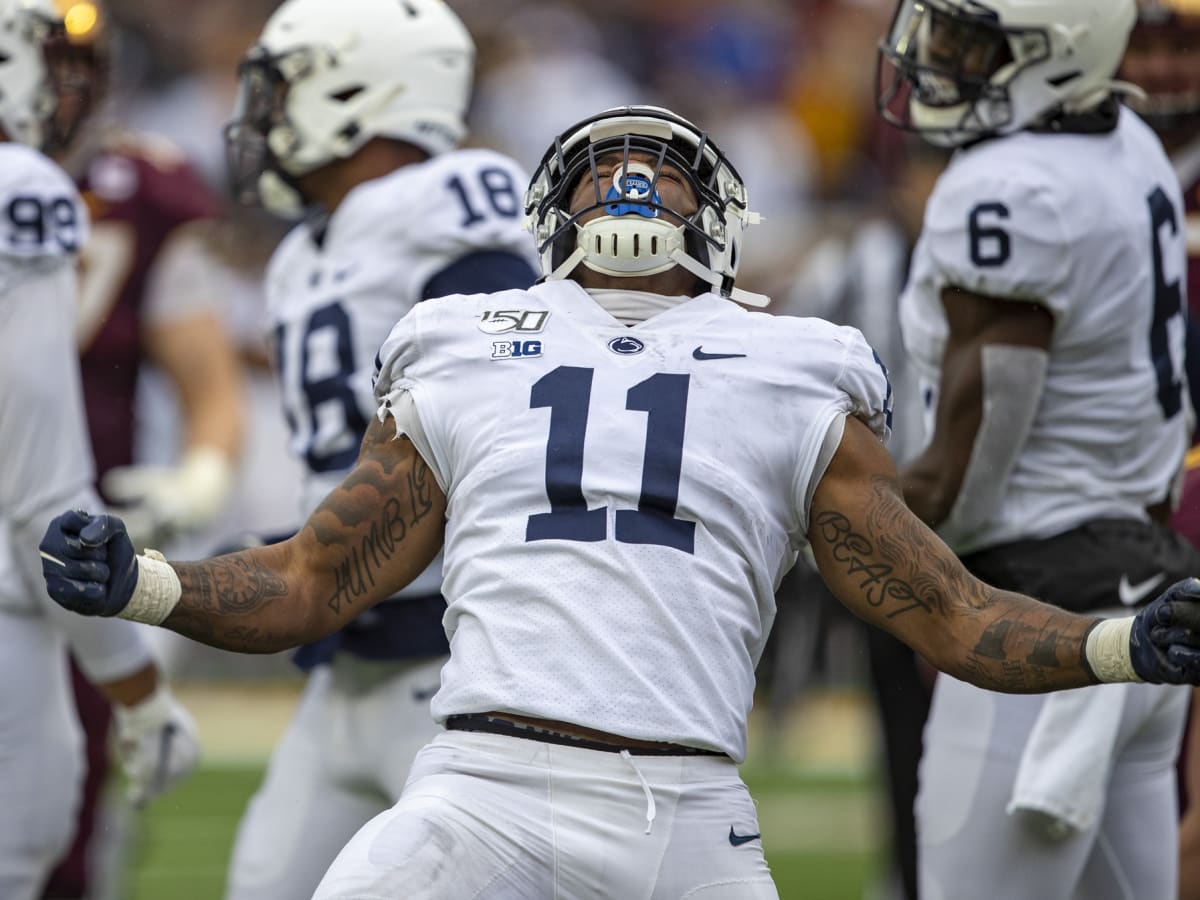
x: 699, y: 353
x: 1132, y: 594
x: 738, y: 839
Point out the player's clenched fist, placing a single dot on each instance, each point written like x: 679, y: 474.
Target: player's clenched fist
x: 1164, y: 642
x: 88, y: 563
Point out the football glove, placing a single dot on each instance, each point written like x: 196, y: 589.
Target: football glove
x: 156, y: 743
x: 158, y: 502
x: 1164, y: 642
x: 88, y: 563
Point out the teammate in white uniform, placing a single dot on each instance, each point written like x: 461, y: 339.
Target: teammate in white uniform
x: 397, y: 215
x: 621, y: 464
x: 45, y: 463
x: 1045, y: 311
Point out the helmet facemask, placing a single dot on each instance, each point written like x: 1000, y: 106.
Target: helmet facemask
x: 951, y: 68
x: 619, y: 160
x: 261, y: 137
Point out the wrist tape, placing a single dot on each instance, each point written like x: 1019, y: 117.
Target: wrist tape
x: 1107, y: 650
x: 156, y: 593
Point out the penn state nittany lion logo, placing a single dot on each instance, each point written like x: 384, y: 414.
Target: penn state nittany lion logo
x: 626, y: 346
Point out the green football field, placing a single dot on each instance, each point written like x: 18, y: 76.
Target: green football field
x: 813, y: 827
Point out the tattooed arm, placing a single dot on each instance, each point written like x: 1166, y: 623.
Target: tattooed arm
x: 370, y: 537
x: 888, y: 568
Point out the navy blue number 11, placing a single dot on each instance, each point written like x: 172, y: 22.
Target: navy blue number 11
x: 567, y: 392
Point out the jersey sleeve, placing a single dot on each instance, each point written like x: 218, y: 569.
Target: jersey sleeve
x: 998, y: 231
x: 850, y: 382
x: 397, y: 384
x: 865, y: 381
x: 43, y: 221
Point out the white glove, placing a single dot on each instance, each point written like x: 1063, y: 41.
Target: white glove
x: 157, y: 502
x: 157, y: 744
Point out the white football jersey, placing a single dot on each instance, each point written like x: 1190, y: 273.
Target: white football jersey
x: 622, y: 501
x: 45, y: 455
x: 1091, y: 227
x: 333, y: 297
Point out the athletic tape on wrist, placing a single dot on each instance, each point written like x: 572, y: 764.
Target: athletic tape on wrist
x: 1107, y: 650
x: 156, y: 593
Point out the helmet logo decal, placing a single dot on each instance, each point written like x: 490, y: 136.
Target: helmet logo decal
x: 632, y: 183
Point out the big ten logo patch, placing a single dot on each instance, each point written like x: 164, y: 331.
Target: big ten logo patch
x: 516, y: 349
x: 522, y: 321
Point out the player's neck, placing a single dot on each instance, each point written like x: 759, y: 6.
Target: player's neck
x: 328, y: 185
x: 633, y: 307
x: 674, y: 282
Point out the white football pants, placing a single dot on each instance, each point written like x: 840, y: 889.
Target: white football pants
x: 41, y: 754
x: 969, y: 848
x: 343, y: 760
x: 491, y: 817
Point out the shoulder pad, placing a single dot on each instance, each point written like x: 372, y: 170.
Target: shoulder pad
x: 41, y: 214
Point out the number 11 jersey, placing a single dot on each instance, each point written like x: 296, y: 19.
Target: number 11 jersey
x: 622, y: 501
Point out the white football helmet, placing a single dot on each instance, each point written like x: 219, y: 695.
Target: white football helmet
x: 637, y: 234
x: 326, y: 77
x: 966, y: 69
x: 27, y: 92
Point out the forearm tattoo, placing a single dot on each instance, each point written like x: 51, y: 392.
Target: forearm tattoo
x: 354, y: 576
x: 1014, y: 643
x: 246, y: 602
x: 219, y: 589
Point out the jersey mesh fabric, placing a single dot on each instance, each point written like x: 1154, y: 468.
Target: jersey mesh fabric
x: 694, y: 437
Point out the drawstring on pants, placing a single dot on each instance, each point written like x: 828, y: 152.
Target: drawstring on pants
x: 650, y: 810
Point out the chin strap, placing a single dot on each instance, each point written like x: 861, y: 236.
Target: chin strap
x: 708, y: 276
x: 568, y: 265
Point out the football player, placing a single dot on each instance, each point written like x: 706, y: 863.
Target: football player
x: 621, y: 463
x: 142, y: 303
x: 45, y: 462
x: 1045, y: 312
x: 352, y: 113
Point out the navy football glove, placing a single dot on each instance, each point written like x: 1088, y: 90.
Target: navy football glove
x: 1164, y: 643
x: 88, y: 563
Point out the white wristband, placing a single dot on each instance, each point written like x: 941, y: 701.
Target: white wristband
x: 1107, y: 650
x: 156, y: 593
